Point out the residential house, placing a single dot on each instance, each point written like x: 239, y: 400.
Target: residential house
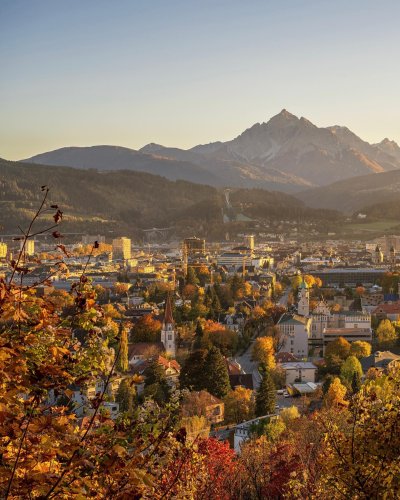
x: 389, y: 311
x: 202, y: 403
x: 299, y: 372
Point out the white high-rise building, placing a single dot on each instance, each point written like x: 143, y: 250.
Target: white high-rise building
x: 249, y: 241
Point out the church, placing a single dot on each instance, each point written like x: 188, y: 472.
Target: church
x: 168, y: 335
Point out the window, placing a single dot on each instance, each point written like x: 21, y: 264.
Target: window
x: 169, y: 337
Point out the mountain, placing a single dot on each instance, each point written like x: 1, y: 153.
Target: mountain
x: 286, y: 153
x: 389, y: 147
x: 126, y: 202
x: 297, y: 147
x: 172, y: 163
x: 362, y: 192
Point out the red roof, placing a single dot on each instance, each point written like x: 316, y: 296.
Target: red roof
x: 166, y: 363
x: 393, y: 308
x: 285, y: 357
x: 168, y: 311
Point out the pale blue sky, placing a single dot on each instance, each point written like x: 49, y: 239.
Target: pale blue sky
x: 183, y: 72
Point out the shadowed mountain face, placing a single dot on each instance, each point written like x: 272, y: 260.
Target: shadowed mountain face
x: 287, y: 153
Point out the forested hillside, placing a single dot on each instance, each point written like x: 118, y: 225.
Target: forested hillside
x: 126, y: 202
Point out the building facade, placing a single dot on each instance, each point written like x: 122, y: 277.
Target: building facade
x: 121, y: 248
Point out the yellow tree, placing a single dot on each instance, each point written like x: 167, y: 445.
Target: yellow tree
x: 386, y: 332
x: 360, y: 349
x: 335, y: 396
x: 263, y: 351
x: 361, y: 458
x: 239, y: 405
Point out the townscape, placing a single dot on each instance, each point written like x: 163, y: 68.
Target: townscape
x: 199, y: 250
x: 255, y: 341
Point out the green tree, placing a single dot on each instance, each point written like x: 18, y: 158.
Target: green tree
x: 236, y: 286
x: 192, y: 372
x: 123, y: 361
x: 155, y: 384
x: 216, y: 377
x: 126, y: 395
x: 191, y: 277
x: 349, y: 368
x: 266, y: 396
x: 386, y: 332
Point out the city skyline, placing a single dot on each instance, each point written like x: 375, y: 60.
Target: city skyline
x: 181, y: 73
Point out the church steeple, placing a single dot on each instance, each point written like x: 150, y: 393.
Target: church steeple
x: 168, y: 331
x: 303, y: 305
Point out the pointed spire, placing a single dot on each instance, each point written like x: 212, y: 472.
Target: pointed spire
x: 168, y: 310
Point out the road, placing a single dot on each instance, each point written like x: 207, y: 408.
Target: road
x: 245, y: 361
x: 284, y: 299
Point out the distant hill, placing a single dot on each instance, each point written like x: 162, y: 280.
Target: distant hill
x: 286, y: 153
x: 357, y: 194
x: 108, y: 158
x: 125, y: 202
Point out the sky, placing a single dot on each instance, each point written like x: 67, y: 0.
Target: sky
x: 185, y: 72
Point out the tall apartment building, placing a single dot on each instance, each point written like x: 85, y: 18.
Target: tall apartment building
x: 29, y: 247
x: 249, y: 241
x: 121, y: 248
x: 194, y: 246
x: 3, y: 250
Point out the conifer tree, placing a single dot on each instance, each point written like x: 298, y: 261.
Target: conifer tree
x: 126, y: 396
x: 216, y: 377
x: 123, y: 362
x: 266, y: 396
x: 192, y: 372
x: 198, y: 336
x: 216, y: 305
x: 356, y: 382
x: 155, y: 384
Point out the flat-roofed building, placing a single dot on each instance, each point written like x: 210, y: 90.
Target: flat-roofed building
x: 349, y: 276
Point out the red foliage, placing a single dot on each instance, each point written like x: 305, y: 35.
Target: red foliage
x: 221, y: 465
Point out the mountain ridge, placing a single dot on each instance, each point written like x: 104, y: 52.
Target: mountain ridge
x: 285, y: 153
